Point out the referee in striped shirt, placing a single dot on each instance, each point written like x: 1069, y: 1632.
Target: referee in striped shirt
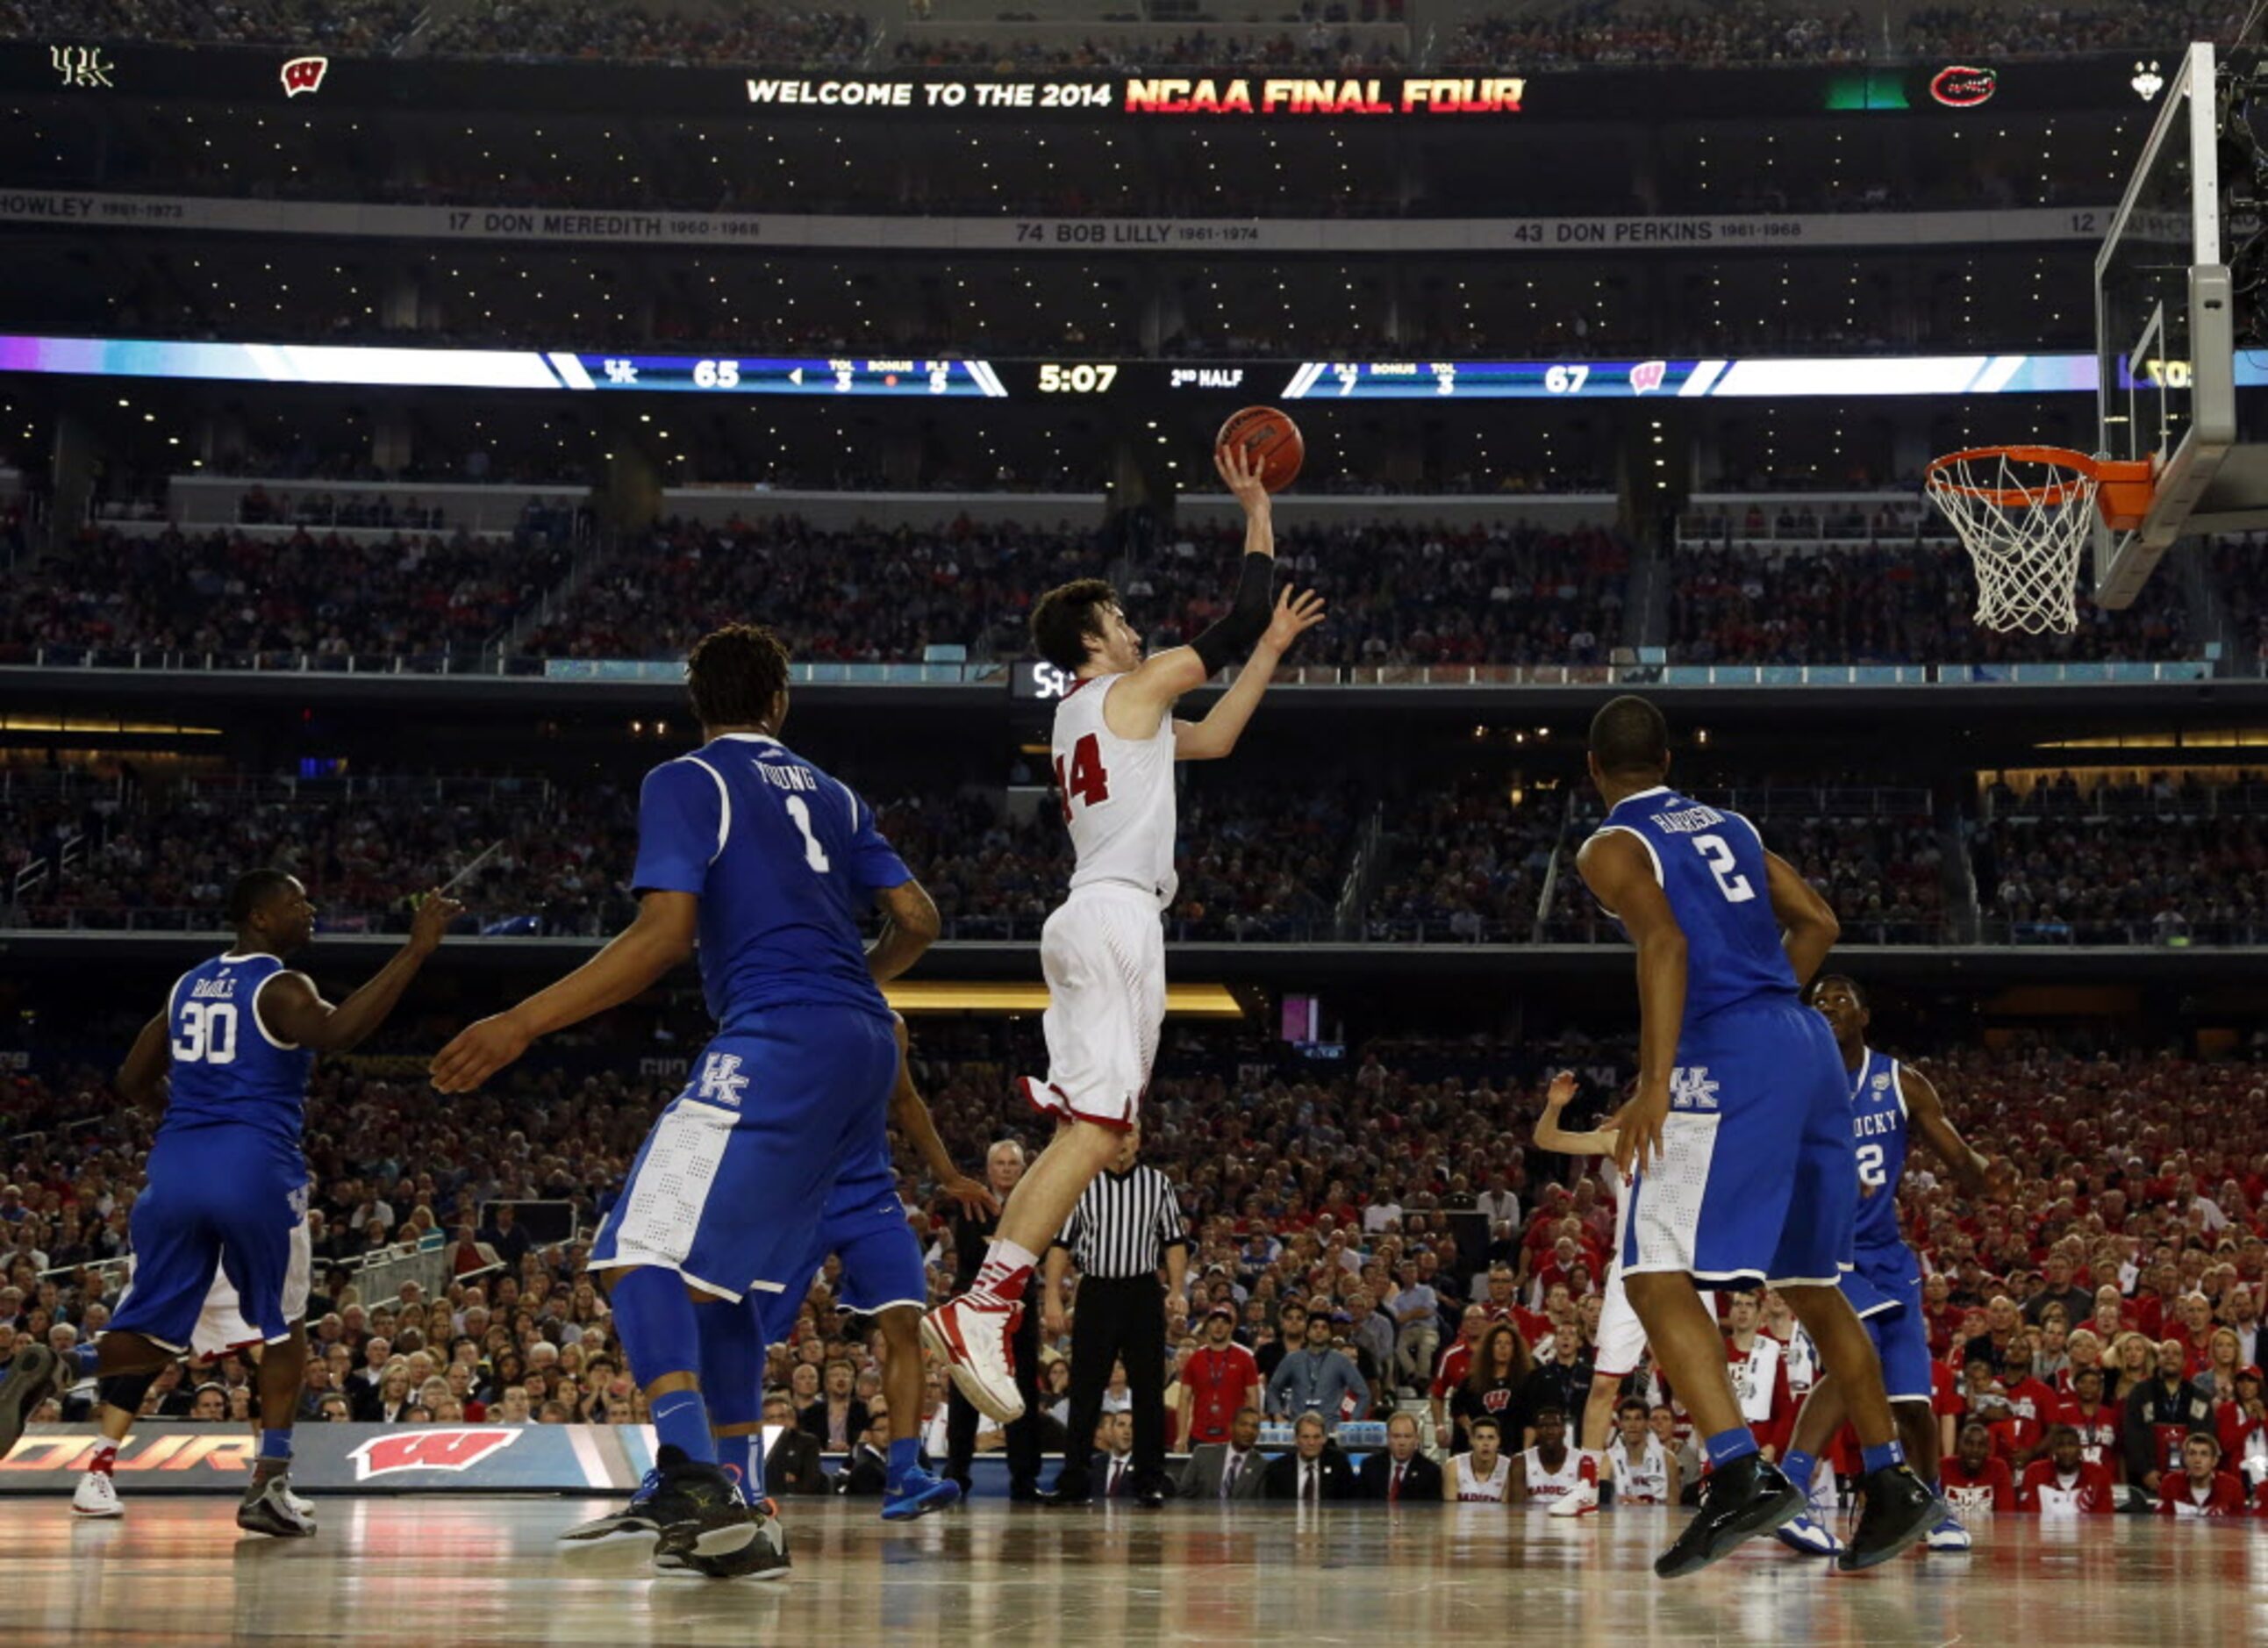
x: 1125, y: 1226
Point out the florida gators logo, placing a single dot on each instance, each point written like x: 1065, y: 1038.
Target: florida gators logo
x: 429, y: 1450
x: 304, y: 74
x: 1960, y: 86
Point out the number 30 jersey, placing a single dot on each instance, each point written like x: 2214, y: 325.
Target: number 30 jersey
x: 1711, y: 866
x: 1117, y: 794
x: 227, y: 1070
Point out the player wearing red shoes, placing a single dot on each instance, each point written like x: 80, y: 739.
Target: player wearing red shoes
x: 1103, y: 951
x: 2066, y: 1483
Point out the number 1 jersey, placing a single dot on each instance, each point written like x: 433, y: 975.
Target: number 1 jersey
x: 1117, y: 794
x: 1711, y: 866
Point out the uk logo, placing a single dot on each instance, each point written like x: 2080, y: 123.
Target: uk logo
x: 429, y: 1450
x: 1647, y: 376
x: 721, y: 1080
x: 1690, y: 1087
x: 82, y: 68
x: 304, y: 74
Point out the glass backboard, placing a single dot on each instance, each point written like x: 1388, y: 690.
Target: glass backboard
x: 2164, y: 328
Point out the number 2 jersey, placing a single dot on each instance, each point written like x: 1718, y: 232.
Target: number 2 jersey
x: 227, y: 1070
x: 1117, y: 794
x: 784, y: 859
x: 1878, y: 1121
x: 1711, y: 866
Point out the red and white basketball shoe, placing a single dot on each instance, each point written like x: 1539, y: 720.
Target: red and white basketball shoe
x: 1582, y: 1499
x: 973, y: 1340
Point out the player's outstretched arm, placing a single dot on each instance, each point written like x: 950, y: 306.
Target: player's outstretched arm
x: 1972, y: 1169
x: 1808, y: 923
x: 292, y: 1010
x: 910, y: 925
x: 634, y: 960
x: 909, y: 1115
x: 1550, y: 1136
x: 142, y: 1078
x: 1619, y: 871
x: 1140, y: 698
x: 1224, y: 724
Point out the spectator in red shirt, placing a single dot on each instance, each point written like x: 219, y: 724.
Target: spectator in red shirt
x: 1455, y: 1363
x: 2242, y: 1426
x: 2021, y: 1437
x: 2065, y: 1483
x: 2112, y: 1317
x: 1977, y: 1479
x: 2191, y: 1326
x: 2201, y: 1489
x: 1219, y: 1377
x: 2095, y: 1418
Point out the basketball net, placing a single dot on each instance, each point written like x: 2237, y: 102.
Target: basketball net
x: 2024, y: 514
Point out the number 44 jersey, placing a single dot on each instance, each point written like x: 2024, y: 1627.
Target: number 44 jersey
x: 1117, y: 794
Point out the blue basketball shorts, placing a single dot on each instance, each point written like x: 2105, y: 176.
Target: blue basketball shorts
x: 864, y: 1225
x: 1758, y: 1178
x: 222, y: 1205
x: 1884, y: 1287
x: 730, y: 1183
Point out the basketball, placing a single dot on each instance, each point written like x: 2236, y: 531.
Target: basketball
x: 1270, y: 441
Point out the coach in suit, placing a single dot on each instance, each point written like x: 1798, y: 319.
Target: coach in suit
x: 1401, y: 1475
x: 1230, y: 1470
x: 1315, y: 1470
x: 792, y: 1464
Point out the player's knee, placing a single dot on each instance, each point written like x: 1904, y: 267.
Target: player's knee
x: 901, y: 1326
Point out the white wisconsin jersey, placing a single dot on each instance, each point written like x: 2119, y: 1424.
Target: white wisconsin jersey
x: 1544, y: 1486
x: 1483, y: 1489
x: 1117, y: 794
x: 1645, y: 1480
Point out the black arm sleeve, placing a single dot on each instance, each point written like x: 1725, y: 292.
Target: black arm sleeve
x: 1232, y: 635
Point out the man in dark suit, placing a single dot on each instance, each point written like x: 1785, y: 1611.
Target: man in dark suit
x: 1231, y: 1470
x: 1112, y: 1468
x: 1315, y: 1470
x: 1402, y: 1475
x: 790, y: 1457
x: 867, y: 1472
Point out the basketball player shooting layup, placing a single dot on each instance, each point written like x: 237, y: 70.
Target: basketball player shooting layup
x: 766, y: 860
x: 227, y: 1181
x: 1888, y: 1101
x: 1103, y: 951
x: 1738, y: 1134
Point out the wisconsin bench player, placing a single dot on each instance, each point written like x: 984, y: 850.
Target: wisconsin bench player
x: 1103, y: 949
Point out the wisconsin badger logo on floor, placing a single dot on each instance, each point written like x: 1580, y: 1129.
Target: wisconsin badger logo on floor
x: 429, y: 1451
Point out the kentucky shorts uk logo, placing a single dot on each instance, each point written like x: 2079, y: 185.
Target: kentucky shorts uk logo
x: 1690, y: 1087
x: 721, y: 1080
x: 429, y: 1450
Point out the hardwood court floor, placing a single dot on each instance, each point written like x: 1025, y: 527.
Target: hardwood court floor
x: 457, y: 1572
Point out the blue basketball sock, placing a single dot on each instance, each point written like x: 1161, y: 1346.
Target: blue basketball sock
x: 731, y: 1381
x: 1798, y: 1467
x: 1888, y: 1456
x: 1727, y: 1446
x: 905, y: 1455
x: 275, y: 1445
x: 660, y: 1335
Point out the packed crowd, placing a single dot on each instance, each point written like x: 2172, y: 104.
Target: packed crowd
x: 732, y: 32
x: 1757, y: 33
x: 2173, y: 881
x: 340, y: 26
x: 1318, y: 46
x: 1911, y: 603
x: 423, y: 596
x: 1465, y: 864
x: 2130, y: 1252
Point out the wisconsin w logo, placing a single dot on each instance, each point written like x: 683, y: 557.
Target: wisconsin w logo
x: 429, y: 1451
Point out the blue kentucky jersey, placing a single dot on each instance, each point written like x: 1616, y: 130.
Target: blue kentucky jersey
x: 1711, y: 866
x: 1878, y: 1117
x: 784, y: 859
x: 227, y: 1070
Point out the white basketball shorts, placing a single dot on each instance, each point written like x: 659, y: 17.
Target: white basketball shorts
x: 1104, y: 954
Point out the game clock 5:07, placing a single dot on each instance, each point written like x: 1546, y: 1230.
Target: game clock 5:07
x: 1086, y: 377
